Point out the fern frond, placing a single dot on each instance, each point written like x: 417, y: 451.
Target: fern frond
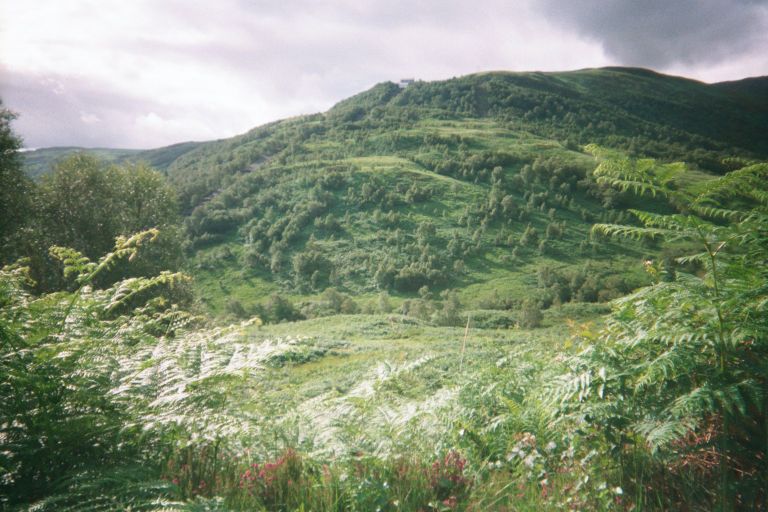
x: 701, y: 257
x: 632, y: 232
x: 748, y: 181
x: 641, y: 176
x: 661, y: 433
x: 716, y: 212
x: 75, y: 263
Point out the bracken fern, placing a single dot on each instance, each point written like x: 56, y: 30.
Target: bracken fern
x: 688, y: 354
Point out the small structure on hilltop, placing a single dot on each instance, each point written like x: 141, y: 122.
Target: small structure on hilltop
x: 405, y: 82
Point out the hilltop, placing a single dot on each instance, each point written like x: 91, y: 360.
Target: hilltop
x: 477, y: 184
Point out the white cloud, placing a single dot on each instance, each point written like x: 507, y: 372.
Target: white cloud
x: 89, y: 118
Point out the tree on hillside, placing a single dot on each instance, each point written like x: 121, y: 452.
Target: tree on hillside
x: 148, y: 200
x: 85, y: 204
x: 78, y: 205
x: 15, y: 187
x: 530, y: 315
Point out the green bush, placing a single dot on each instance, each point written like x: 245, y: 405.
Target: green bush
x: 489, y: 319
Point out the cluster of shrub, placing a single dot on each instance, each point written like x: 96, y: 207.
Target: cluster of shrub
x: 281, y: 213
x: 446, y: 310
x: 85, y: 204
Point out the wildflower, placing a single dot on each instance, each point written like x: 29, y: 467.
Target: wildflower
x: 515, y: 452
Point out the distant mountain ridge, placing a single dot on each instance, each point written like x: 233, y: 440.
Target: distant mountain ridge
x: 39, y: 161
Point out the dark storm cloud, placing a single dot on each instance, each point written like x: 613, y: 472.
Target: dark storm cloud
x: 658, y: 33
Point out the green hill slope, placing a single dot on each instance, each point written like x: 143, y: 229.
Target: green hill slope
x: 476, y: 184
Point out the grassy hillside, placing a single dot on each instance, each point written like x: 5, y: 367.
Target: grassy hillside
x: 477, y: 184
x: 439, y: 186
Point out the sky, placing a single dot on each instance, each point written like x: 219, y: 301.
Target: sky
x: 148, y: 73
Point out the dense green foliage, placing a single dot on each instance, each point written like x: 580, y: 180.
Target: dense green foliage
x: 431, y: 265
x: 84, y: 204
x: 662, y: 408
x: 14, y: 187
x: 680, y: 369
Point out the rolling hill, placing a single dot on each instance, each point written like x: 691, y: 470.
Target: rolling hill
x: 440, y: 184
x: 477, y: 184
